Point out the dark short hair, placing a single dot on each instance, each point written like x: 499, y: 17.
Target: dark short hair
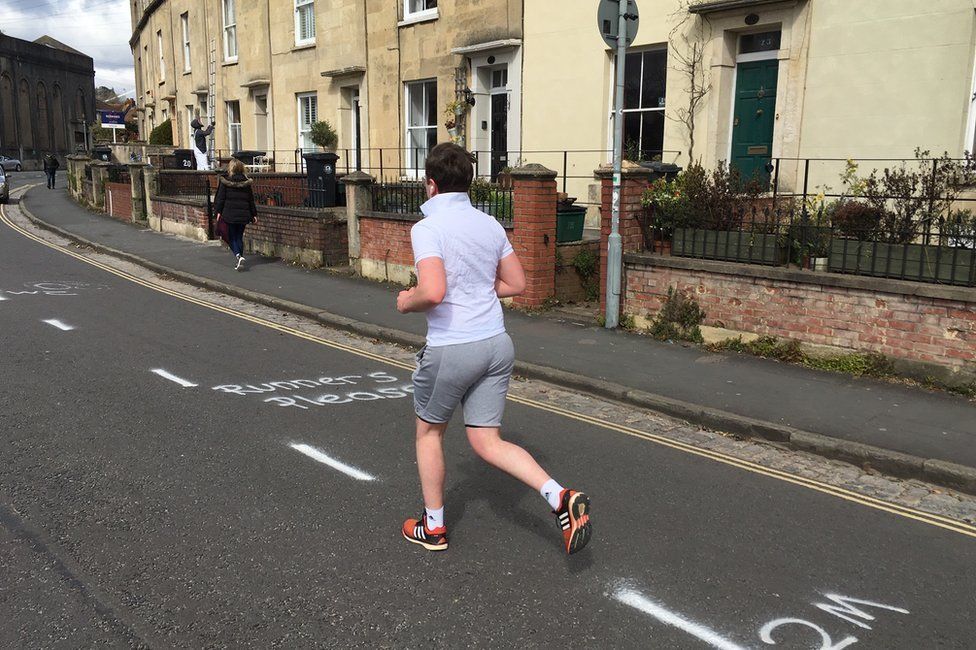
x: 450, y: 166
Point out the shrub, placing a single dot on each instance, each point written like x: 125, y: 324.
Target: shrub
x: 162, y: 134
x: 959, y: 229
x: 680, y: 318
x: 857, y: 220
x: 323, y: 135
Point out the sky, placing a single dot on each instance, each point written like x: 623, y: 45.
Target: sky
x: 99, y: 28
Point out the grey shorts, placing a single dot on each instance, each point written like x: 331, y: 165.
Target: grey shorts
x: 474, y: 375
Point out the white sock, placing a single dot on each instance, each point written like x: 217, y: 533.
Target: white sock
x: 435, y: 518
x: 551, y: 492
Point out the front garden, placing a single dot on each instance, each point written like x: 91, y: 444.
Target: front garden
x: 906, y: 222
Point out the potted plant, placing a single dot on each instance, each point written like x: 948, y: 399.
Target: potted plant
x: 324, y: 136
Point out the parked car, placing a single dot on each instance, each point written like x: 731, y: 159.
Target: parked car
x: 10, y: 164
x: 4, y: 187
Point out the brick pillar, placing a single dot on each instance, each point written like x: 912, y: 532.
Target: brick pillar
x: 633, y: 183
x: 139, y: 214
x: 535, y: 231
x: 359, y: 199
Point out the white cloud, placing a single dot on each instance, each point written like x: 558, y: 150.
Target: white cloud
x: 99, y: 28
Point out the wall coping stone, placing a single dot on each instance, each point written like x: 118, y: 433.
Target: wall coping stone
x: 532, y: 170
x: 637, y: 171
x: 331, y: 215
x: 818, y: 278
x: 390, y: 216
x: 182, y: 200
x: 358, y: 178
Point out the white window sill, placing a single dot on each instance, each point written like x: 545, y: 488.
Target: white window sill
x: 419, y: 17
x: 230, y: 61
x: 186, y: 72
x: 303, y: 45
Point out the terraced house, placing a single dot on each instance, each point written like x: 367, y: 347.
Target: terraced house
x: 747, y: 81
x: 381, y: 72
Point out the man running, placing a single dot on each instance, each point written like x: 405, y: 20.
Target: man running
x: 465, y: 263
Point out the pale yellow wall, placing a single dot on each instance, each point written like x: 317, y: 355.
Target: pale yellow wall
x: 857, y: 79
x: 885, y: 79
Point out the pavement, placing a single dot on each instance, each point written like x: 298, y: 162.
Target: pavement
x: 902, y: 430
x: 154, y: 494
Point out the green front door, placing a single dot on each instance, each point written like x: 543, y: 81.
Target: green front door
x: 755, y: 115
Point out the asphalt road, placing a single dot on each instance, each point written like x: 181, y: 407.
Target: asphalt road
x: 136, y: 510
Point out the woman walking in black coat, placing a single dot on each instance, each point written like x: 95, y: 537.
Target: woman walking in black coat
x: 235, y: 207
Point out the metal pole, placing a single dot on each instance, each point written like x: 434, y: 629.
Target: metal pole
x: 614, y: 253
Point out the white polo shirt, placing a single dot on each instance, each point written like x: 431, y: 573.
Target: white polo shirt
x: 471, y: 243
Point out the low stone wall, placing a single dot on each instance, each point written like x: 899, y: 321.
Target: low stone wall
x: 118, y: 200
x: 180, y: 216
x: 570, y: 285
x: 929, y: 330
x: 312, y: 238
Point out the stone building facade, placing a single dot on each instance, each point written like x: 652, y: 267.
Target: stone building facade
x: 47, y: 98
x: 382, y: 72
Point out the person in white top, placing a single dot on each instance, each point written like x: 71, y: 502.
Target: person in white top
x: 465, y: 264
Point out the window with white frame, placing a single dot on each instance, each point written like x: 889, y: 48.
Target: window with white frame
x: 234, y: 136
x: 645, y: 82
x: 419, y: 8
x: 229, y: 12
x: 185, y: 23
x: 421, y: 124
x: 304, y: 22
x: 308, y: 114
x: 162, y: 60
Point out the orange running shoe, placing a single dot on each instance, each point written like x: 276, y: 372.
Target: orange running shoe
x: 573, y: 517
x: 417, y: 532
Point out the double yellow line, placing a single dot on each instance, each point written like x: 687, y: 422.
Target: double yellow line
x: 825, y: 488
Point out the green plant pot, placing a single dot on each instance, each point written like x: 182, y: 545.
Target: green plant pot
x: 729, y: 246
x: 569, y: 224
x: 919, y: 262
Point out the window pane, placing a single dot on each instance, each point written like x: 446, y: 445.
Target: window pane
x: 632, y: 81
x: 655, y: 79
x: 430, y: 89
x: 652, y: 142
x: 415, y: 105
x: 632, y: 126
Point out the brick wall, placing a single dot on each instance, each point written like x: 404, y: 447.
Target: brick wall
x: 903, y: 320
x: 315, y: 238
x: 385, y: 250
x: 118, y: 200
x: 569, y: 284
x: 184, y: 212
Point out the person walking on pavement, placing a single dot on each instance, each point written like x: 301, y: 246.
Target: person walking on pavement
x: 234, y: 205
x: 465, y: 264
x: 51, y: 166
x: 200, y: 136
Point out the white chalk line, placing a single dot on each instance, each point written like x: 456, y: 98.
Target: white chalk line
x: 322, y: 457
x: 64, y: 327
x: 639, y: 601
x: 179, y: 380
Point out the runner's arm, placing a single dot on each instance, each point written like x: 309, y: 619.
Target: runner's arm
x: 510, y: 280
x: 430, y: 289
